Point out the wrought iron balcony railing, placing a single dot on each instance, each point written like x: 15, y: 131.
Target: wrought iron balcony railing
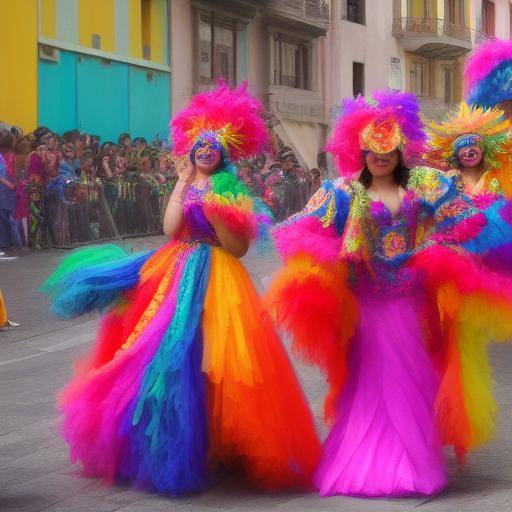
x: 317, y: 10
x: 421, y: 27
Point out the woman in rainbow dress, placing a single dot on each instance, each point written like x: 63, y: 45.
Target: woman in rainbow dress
x: 187, y: 372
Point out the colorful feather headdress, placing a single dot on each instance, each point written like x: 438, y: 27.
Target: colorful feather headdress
x: 231, y: 117
x: 388, y: 120
x: 488, y: 73
x: 486, y: 127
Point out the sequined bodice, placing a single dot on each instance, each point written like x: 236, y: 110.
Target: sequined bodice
x: 389, y: 241
x: 196, y: 227
x: 392, y: 236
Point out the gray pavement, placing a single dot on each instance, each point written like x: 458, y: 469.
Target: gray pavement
x: 35, y: 473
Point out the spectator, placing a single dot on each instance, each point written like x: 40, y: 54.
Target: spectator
x: 9, y: 236
x: 35, y: 163
x: 145, y: 162
x: 124, y: 141
x: 66, y: 167
x: 315, y: 180
x: 140, y: 144
x: 87, y: 171
x: 21, y: 208
x: 120, y: 165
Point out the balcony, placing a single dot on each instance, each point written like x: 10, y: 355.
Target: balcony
x: 311, y: 16
x: 434, y: 37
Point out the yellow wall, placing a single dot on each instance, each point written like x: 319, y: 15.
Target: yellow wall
x: 96, y: 17
x: 146, y: 22
x: 18, y: 64
x: 135, y: 29
x: 48, y: 19
x: 147, y: 28
x: 158, y: 38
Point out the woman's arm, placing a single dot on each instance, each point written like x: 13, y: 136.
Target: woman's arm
x: 235, y: 244
x: 105, y: 164
x: 173, y: 217
x: 7, y: 183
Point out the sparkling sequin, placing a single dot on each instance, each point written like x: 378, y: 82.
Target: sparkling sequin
x: 394, y: 244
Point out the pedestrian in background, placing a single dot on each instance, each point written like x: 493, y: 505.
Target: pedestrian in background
x: 8, y: 234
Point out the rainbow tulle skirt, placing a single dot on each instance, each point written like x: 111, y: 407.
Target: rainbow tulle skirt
x: 187, y: 373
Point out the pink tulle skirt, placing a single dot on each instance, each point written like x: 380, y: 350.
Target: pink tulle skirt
x: 384, y: 441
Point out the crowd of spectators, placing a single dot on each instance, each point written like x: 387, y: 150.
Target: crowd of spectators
x: 63, y: 190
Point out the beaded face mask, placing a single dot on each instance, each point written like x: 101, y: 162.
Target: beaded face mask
x: 382, y: 137
x: 465, y: 141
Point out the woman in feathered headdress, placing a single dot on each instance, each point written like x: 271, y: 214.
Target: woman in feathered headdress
x: 488, y: 75
x: 188, y: 371
x: 476, y: 144
x: 378, y: 291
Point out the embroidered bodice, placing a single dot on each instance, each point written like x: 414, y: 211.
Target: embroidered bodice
x: 196, y: 227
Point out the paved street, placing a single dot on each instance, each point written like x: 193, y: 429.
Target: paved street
x: 35, y: 474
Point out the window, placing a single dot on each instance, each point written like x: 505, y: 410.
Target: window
x: 419, y: 78
x: 449, y: 88
x: 488, y: 18
x: 455, y: 11
x: 96, y: 41
x: 217, y: 49
x: 354, y: 11
x: 357, y: 78
x: 291, y: 60
x: 145, y: 16
x: 415, y: 9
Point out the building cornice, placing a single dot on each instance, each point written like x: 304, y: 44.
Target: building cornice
x: 76, y: 48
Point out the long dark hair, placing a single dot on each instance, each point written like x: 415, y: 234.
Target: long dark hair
x: 400, y: 173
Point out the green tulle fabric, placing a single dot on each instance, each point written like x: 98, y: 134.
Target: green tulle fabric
x: 81, y: 258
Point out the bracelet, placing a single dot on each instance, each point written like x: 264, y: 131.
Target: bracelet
x: 176, y: 201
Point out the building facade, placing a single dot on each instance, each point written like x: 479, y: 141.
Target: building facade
x: 101, y: 66
x: 277, y: 45
x: 104, y: 66
x: 413, y: 45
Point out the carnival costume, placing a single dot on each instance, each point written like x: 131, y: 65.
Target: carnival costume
x: 393, y: 309
x: 489, y: 130
x: 484, y: 127
x: 488, y: 74
x: 187, y: 372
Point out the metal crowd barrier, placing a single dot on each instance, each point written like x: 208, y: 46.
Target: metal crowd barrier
x: 85, y: 213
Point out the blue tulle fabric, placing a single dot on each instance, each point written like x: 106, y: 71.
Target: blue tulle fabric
x: 95, y: 287
x: 165, y: 425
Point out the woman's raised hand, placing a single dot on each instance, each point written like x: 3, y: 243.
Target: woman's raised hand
x: 185, y: 170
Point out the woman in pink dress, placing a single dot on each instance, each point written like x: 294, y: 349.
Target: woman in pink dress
x: 378, y: 290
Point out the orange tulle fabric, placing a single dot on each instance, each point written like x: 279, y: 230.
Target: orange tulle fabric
x: 254, y: 396
x: 313, y: 302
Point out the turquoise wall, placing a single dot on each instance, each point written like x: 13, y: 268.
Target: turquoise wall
x: 57, y: 105
x: 149, y: 103
x: 102, y: 93
x: 103, y: 97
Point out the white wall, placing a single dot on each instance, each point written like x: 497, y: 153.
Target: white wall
x: 182, y: 54
x: 372, y: 44
x: 258, y: 69
x: 502, y: 8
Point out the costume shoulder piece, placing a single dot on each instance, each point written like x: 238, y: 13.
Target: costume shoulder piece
x: 433, y: 186
x: 317, y: 229
x: 230, y: 200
